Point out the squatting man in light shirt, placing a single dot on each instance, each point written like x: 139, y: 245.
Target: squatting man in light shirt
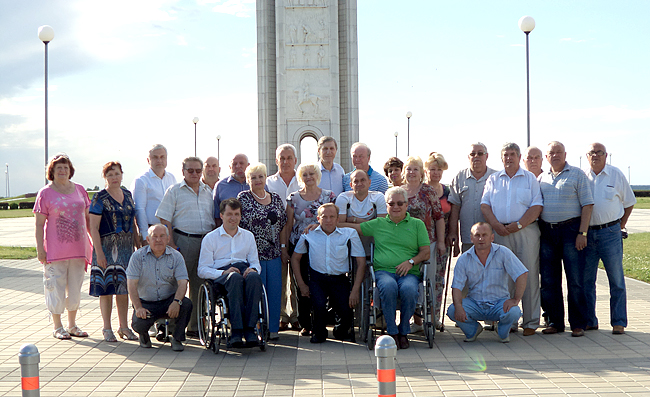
x: 486, y: 268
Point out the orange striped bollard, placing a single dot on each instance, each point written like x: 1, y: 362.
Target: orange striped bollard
x: 386, y: 352
x: 29, y: 357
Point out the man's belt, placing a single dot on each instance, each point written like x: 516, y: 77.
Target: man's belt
x: 182, y: 233
x: 558, y: 224
x: 604, y: 225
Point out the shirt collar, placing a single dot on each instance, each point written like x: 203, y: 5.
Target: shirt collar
x: 149, y: 251
x: 223, y: 231
x: 406, y: 219
x: 493, y: 248
x: 201, y: 185
x: 152, y: 174
x: 319, y: 229
x: 604, y: 171
x: 520, y: 172
x: 369, y: 172
x: 231, y: 179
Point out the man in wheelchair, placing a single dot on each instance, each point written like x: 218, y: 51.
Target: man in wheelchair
x: 328, y: 268
x: 157, y: 281
x: 229, y: 258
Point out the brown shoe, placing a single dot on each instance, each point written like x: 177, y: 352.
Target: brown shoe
x: 591, y: 327
x: 576, y: 332
x: 618, y: 330
x: 529, y: 331
x: 296, y: 326
x: 551, y: 330
x: 284, y: 326
x: 396, y: 339
x: 404, y: 342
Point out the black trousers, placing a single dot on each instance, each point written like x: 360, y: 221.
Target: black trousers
x: 304, y: 302
x: 337, y: 289
x: 158, y: 309
x: 244, y: 294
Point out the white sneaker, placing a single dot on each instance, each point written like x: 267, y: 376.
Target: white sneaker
x: 415, y: 328
x: 153, y: 331
x: 479, y: 329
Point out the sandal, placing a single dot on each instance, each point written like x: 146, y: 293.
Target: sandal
x: 61, y: 333
x: 109, y: 336
x: 76, y: 331
x: 126, y: 333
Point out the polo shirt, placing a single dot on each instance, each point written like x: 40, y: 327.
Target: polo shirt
x: 612, y: 194
x: 148, y: 191
x: 332, y: 180
x: 396, y: 242
x: 510, y: 198
x: 378, y: 182
x: 328, y: 253
x: 487, y: 283
x: 564, y: 194
x: 225, y: 189
x: 186, y: 210
x: 466, y: 191
x: 157, y: 277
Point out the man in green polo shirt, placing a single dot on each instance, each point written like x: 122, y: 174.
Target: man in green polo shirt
x: 401, y: 244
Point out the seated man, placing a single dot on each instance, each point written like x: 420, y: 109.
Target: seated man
x: 157, y: 281
x: 229, y: 258
x: 328, y: 265
x: 485, y: 268
x: 401, y: 243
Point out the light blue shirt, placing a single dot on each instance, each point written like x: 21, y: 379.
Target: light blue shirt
x: 328, y: 253
x: 510, y: 198
x: 148, y: 191
x: 187, y: 210
x: 332, y: 180
x: 487, y: 283
x: 225, y: 189
x: 564, y: 194
x: 219, y: 249
x: 378, y: 182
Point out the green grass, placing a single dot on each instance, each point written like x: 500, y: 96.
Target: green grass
x: 16, y: 213
x: 636, y: 256
x: 17, y: 252
x: 642, y: 203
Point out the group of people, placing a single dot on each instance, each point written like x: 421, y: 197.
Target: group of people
x: 293, y: 232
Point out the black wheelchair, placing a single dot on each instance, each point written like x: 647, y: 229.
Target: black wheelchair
x: 371, y: 307
x: 213, y: 318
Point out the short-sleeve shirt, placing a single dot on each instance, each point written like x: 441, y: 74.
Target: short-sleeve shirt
x: 466, y: 191
x: 510, y: 198
x: 426, y: 207
x: 612, y: 194
x: 66, y: 235
x: 331, y: 180
x: 305, y: 212
x: 116, y: 217
x: 564, y: 194
x: 187, y: 210
x: 148, y: 190
x: 264, y: 221
x: 396, y: 243
x: 487, y: 283
x: 378, y: 182
x: 157, y: 277
x: 275, y: 184
x: 328, y: 253
x: 225, y: 189
x: 372, y: 206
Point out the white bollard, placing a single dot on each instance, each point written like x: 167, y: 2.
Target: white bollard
x: 386, y: 353
x: 29, y: 357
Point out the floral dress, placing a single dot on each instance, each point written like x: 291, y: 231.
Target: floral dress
x: 425, y: 206
x: 264, y: 221
x: 305, y: 212
x: 116, y: 233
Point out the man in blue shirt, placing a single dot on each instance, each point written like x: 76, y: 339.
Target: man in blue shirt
x: 486, y: 268
x: 360, y: 153
x: 328, y: 265
x: 230, y: 187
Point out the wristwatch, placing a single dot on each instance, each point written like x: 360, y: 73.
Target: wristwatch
x: 412, y: 262
x: 583, y: 233
x: 519, y: 225
x: 180, y: 302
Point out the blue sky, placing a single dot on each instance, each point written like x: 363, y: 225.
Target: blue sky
x: 125, y: 75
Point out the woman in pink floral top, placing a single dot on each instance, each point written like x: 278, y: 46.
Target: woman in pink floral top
x: 62, y: 243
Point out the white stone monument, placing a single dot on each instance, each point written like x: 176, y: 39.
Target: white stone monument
x: 307, y: 74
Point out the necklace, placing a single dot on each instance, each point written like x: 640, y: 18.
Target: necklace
x: 258, y: 197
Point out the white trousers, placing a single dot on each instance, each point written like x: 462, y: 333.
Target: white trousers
x: 63, y: 278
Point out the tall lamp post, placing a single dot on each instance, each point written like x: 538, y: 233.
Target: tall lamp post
x: 395, y: 142
x: 527, y: 24
x: 195, y: 120
x: 7, y: 178
x: 218, y: 147
x: 45, y: 34
x: 408, y: 132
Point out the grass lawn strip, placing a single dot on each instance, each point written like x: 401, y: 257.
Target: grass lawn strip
x: 17, y: 252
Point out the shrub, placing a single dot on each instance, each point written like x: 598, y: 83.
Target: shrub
x: 13, y: 206
x: 4, y: 206
x: 26, y: 205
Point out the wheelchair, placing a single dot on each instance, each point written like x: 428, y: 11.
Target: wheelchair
x: 371, y: 307
x: 213, y: 318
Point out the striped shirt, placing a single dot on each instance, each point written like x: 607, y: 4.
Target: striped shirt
x: 378, y: 182
x: 564, y: 194
x: 487, y: 283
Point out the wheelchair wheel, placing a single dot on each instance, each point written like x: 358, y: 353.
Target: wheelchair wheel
x: 363, y: 316
x: 205, y: 314
x: 220, y: 330
x: 370, y: 339
x: 263, y: 332
x: 428, y: 308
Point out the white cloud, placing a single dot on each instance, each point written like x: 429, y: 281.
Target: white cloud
x: 237, y: 8
x: 180, y: 40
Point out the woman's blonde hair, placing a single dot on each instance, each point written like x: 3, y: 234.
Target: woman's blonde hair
x: 415, y: 160
x: 304, y: 167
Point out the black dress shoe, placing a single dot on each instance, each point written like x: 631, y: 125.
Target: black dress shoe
x: 235, y: 341
x: 192, y: 334
x: 145, y: 340
x: 316, y: 339
x: 251, y: 338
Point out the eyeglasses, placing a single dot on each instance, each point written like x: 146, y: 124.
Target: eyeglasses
x: 474, y: 154
x: 193, y: 170
x: 396, y: 203
x: 596, y: 153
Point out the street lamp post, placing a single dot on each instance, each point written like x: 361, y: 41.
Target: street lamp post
x: 408, y: 132
x: 7, y: 178
x: 45, y: 34
x: 395, y: 142
x: 195, y: 120
x: 527, y: 24
x: 218, y: 147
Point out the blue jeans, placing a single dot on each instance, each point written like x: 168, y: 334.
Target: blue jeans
x: 558, y: 246
x: 606, y: 244
x: 485, y: 311
x: 391, y: 286
x: 272, y: 280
